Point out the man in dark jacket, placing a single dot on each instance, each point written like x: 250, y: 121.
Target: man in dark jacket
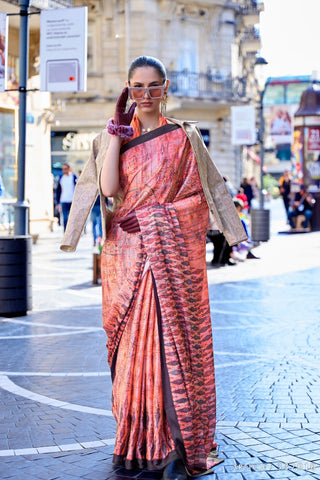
x: 302, y: 205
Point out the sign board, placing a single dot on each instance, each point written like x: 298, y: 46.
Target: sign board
x: 63, y: 50
x: 243, y: 126
x: 3, y: 50
x: 314, y: 139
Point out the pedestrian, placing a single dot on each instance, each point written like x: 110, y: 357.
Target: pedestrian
x: 302, y: 205
x: 247, y: 190
x: 96, y: 221
x: 285, y: 189
x: 153, y: 270
x: 243, y: 250
x: 65, y: 191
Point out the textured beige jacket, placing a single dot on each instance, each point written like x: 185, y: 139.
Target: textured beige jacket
x: 88, y: 187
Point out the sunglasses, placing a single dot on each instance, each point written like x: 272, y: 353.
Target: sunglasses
x: 139, y: 92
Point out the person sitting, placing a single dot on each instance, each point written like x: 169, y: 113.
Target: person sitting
x: 242, y: 250
x: 302, y: 205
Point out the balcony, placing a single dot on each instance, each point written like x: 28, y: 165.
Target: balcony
x: 205, y: 86
x: 46, y: 4
x: 250, y: 41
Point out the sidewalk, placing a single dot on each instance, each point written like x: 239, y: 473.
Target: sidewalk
x: 55, y: 384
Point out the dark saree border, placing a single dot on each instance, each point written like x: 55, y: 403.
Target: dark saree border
x: 170, y: 411
x: 157, y: 132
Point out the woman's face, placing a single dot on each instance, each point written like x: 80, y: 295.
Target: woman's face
x: 147, y: 77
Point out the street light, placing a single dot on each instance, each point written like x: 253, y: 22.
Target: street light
x: 260, y: 217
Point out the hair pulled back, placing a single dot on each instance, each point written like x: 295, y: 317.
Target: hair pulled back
x: 145, y: 61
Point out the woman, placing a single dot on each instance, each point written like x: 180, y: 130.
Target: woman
x: 155, y: 296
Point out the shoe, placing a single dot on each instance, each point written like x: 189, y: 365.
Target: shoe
x: 250, y: 255
x: 231, y: 262
x: 175, y: 471
x: 217, y: 264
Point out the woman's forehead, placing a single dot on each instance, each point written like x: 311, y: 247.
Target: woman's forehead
x: 145, y: 75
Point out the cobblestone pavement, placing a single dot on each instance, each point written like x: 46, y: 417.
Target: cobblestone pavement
x: 55, y: 385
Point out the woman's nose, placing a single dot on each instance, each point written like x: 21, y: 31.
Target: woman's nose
x: 146, y: 93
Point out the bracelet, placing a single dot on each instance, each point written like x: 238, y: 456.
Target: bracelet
x: 123, y: 131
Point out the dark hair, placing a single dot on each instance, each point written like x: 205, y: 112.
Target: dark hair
x: 144, y: 61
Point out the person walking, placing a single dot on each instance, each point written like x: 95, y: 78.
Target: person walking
x: 285, y: 189
x: 65, y: 191
x: 155, y: 302
x: 247, y: 190
x: 96, y: 222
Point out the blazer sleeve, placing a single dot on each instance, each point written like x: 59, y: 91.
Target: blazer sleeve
x: 214, y: 187
x: 85, y: 194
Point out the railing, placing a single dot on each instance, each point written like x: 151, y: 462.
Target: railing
x: 46, y: 4
x: 205, y: 86
x: 7, y: 217
x: 250, y: 33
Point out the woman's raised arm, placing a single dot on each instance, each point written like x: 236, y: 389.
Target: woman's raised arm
x: 120, y: 129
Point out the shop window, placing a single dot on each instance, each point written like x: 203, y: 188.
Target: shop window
x: 8, y: 164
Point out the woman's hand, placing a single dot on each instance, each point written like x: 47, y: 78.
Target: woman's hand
x: 130, y: 223
x: 120, y: 116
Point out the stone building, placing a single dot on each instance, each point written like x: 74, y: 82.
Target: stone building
x: 209, y: 48
x: 38, y: 171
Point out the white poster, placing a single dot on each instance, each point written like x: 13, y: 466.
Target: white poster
x: 243, y: 126
x: 63, y: 50
x: 3, y: 50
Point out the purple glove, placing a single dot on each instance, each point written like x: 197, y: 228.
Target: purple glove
x: 130, y: 223
x: 120, y: 115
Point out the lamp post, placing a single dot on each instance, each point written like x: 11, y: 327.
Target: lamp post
x: 21, y: 207
x: 15, y: 251
x: 260, y: 217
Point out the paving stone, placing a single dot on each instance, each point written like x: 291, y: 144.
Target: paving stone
x: 268, y: 406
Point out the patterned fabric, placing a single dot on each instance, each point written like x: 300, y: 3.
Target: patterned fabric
x: 156, y: 310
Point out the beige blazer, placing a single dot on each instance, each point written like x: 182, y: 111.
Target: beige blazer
x: 88, y: 187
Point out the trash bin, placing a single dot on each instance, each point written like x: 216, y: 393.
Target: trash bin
x: 15, y: 275
x: 260, y: 225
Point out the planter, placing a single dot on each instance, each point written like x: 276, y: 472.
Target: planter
x: 96, y: 267
x: 15, y: 275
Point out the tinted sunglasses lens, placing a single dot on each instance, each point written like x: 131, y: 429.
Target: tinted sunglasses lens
x: 156, y: 92
x: 136, y: 92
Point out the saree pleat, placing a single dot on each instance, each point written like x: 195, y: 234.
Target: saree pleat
x: 156, y: 310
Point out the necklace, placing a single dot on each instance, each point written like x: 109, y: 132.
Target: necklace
x: 146, y: 130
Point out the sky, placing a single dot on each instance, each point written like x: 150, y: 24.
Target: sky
x: 290, y: 37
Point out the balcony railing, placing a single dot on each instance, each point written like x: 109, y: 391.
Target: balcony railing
x: 204, y: 86
x: 46, y: 4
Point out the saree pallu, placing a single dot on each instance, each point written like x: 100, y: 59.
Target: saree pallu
x: 156, y: 311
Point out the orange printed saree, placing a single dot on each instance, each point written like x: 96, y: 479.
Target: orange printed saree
x: 156, y: 310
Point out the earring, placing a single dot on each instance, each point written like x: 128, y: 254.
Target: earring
x: 163, y: 108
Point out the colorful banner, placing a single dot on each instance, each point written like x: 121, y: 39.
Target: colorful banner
x: 3, y: 50
x: 279, y: 124
x: 314, y: 139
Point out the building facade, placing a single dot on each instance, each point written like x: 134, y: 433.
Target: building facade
x: 208, y: 47
x: 38, y: 171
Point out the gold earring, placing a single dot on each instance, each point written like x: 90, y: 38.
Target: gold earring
x: 164, y: 105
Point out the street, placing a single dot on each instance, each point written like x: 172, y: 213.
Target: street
x: 56, y: 420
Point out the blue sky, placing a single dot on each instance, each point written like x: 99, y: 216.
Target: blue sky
x: 290, y: 37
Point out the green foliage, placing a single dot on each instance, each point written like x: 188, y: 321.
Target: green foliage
x: 271, y: 185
